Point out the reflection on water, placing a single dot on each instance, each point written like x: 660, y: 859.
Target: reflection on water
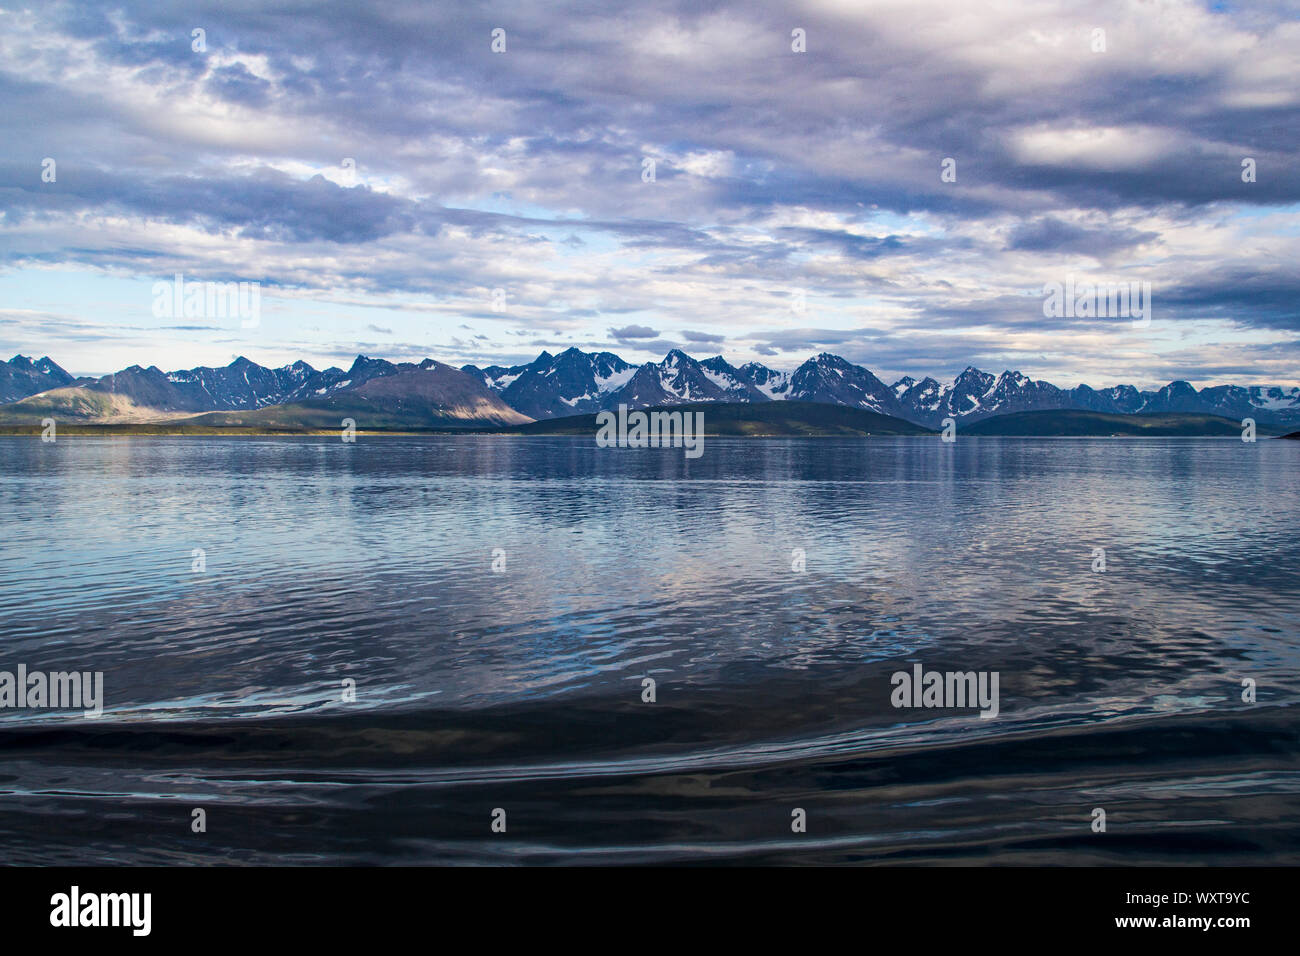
x: 521, y: 688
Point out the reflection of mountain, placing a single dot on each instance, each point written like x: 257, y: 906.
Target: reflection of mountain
x: 1091, y: 424
x: 576, y: 383
x: 810, y: 419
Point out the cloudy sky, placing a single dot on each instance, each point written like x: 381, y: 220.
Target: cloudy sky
x: 381, y: 171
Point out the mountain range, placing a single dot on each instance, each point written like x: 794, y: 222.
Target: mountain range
x: 579, y: 383
x: 375, y: 392
x: 576, y: 382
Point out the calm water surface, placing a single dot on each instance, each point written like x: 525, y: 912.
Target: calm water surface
x: 521, y: 688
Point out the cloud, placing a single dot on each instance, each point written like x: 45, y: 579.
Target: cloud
x: 1049, y: 234
x: 522, y: 172
x: 634, y: 332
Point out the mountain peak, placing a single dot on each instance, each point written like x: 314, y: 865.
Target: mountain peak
x: 971, y: 374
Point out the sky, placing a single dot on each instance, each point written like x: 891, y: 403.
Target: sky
x: 893, y: 182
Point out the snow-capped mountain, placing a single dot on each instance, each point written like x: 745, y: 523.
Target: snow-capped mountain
x: 1236, y: 401
x: 1174, y: 397
x: 240, y: 385
x: 1121, y: 399
x: 971, y: 396
x: 576, y: 383
x: 553, y: 386
x: 680, y: 378
x: 830, y: 379
x: 542, y: 389
x: 737, y: 385
x: 924, y: 398
x: 244, y: 393
x: 965, y: 397
x: 20, y: 377
x: 974, y: 395
x: 775, y: 385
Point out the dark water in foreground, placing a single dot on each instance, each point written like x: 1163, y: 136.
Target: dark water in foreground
x: 522, y: 689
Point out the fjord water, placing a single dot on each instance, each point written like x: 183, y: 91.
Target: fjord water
x: 521, y: 688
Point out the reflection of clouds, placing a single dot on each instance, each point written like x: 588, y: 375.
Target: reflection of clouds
x: 373, y: 561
